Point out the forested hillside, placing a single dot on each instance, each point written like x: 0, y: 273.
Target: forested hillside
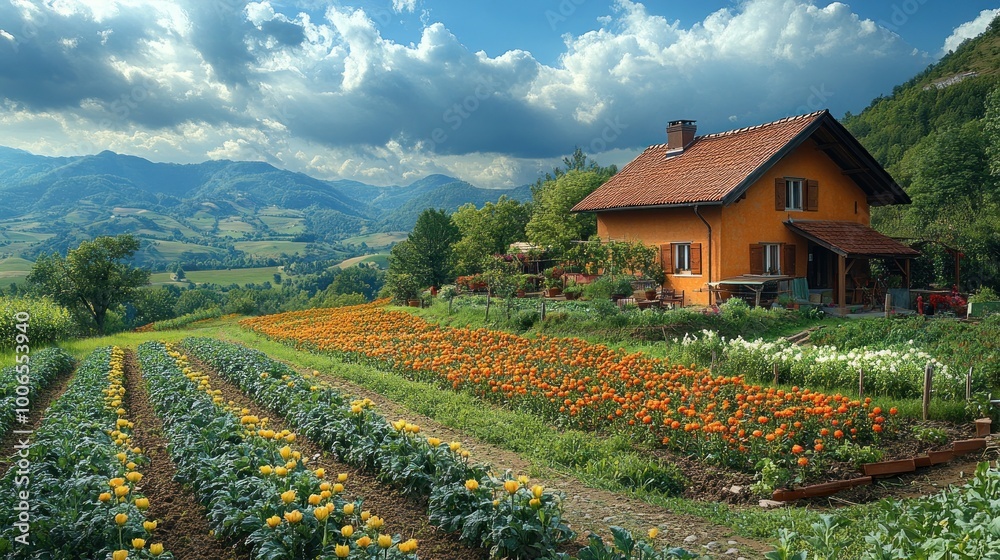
x: 939, y: 136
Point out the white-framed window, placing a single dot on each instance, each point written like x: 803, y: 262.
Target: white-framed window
x: 793, y: 194
x: 772, y: 258
x: 682, y: 256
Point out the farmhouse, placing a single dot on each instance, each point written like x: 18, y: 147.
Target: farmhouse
x: 785, y: 203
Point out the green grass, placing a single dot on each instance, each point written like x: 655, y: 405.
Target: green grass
x: 172, y: 250
x: 241, y: 276
x: 373, y: 240
x: 271, y: 248
x: 13, y: 270
x: 381, y: 259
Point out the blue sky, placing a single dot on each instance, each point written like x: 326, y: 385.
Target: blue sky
x: 493, y: 92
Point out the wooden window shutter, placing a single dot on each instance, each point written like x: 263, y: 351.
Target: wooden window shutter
x: 667, y: 257
x: 779, y: 193
x: 788, y: 259
x: 756, y: 259
x: 696, y: 258
x: 812, y: 195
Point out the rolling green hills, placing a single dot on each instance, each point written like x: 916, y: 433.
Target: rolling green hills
x: 216, y: 214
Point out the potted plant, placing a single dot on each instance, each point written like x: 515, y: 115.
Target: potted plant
x: 553, y: 287
x: 523, y: 283
x: 786, y: 301
x: 572, y: 290
x: 657, y: 275
x: 621, y: 288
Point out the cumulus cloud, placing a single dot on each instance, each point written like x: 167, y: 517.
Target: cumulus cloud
x: 969, y: 30
x: 325, y: 92
x: 400, y: 6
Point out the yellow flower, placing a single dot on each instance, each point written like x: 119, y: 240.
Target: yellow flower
x: 149, y: 526
x: 290, y: 465
x: 366, y: 515
x: 121, y: 519
x: 273, y: 521
x: 122, y: 457
x: 280, y: 471
x: 136, y: 450
x: 338, y: 488
x: 142, y: 503
x: 320, y: 472
x: 537, y: 490
x: 288, y: 497
x: 472, y: 485
x: 342, y: 477
x: 355, y: 409
x: 324, y: 486
x: 116, y: 482
x: 138, y: 543
x: 119, y: 555
x: 293, y: 516
x: 121, y: 491
x: 653, y: 532
x: 535, y: 503
x: 314, y: 499
x: 342, y: 550
x: 156, y: 549
x: 348, y: 509
x: 134, y: 477
x: 325, y: 494
x: 266, y: 470
x: 408, y: 546
x: 511, y: 486
x: 290, y: 438
x: 433, y: 441
x: 375, y: 522
x: 285, y: 452
x: 347, y: 531
x: 384, y: 541
x: 321, y: 513
x: 523, y: 479
x: 130, y: 466
x: 104, y: 497
x: 364, y: 542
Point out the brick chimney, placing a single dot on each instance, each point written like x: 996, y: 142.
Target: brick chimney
x: 680, y: 134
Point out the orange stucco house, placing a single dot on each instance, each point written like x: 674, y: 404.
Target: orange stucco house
x: 787, y: 199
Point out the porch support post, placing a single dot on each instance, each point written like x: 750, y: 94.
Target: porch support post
x: 842, y: 284
x: 906, y: 272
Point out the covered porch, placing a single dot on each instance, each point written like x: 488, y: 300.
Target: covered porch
x: 840, y: 255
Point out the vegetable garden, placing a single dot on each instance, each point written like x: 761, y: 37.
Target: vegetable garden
x: 272, y: 461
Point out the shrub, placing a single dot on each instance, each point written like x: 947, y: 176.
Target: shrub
x: 47, y: 321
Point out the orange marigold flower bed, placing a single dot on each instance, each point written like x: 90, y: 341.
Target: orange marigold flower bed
x: 578, y: 384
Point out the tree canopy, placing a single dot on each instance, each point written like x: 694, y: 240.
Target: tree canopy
x: 552, y: 225
x: 92, y: 278
x: 487, y: 231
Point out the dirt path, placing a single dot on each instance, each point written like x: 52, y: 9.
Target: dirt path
x: 39, y: 405
x: 402, y: 515
x: 587, y: 509
x: 182, y: 525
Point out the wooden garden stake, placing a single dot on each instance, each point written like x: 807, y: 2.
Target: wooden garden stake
x: 711, y: 368
x: 888, y: 304
x: 775, y: 373
x: 861, y: 383
x: 487, y: 306
x: 928, y: 374
x: 543, y: 308
x: 968, y: 385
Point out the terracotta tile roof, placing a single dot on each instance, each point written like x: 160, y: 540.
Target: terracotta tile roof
x: 711, y: 167
x: 850, y: 238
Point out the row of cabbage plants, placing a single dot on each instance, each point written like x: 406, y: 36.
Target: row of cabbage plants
x: 21, y: 383
x: 502, y: 513
x: 75, y: 491
x: 255, y: 486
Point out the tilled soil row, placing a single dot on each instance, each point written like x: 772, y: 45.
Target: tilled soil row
x: 402, y: 515
x: 182, y: 525
x: 36, y: 415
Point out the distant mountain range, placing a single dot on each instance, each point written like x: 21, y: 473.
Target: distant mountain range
x: 220, y: 211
